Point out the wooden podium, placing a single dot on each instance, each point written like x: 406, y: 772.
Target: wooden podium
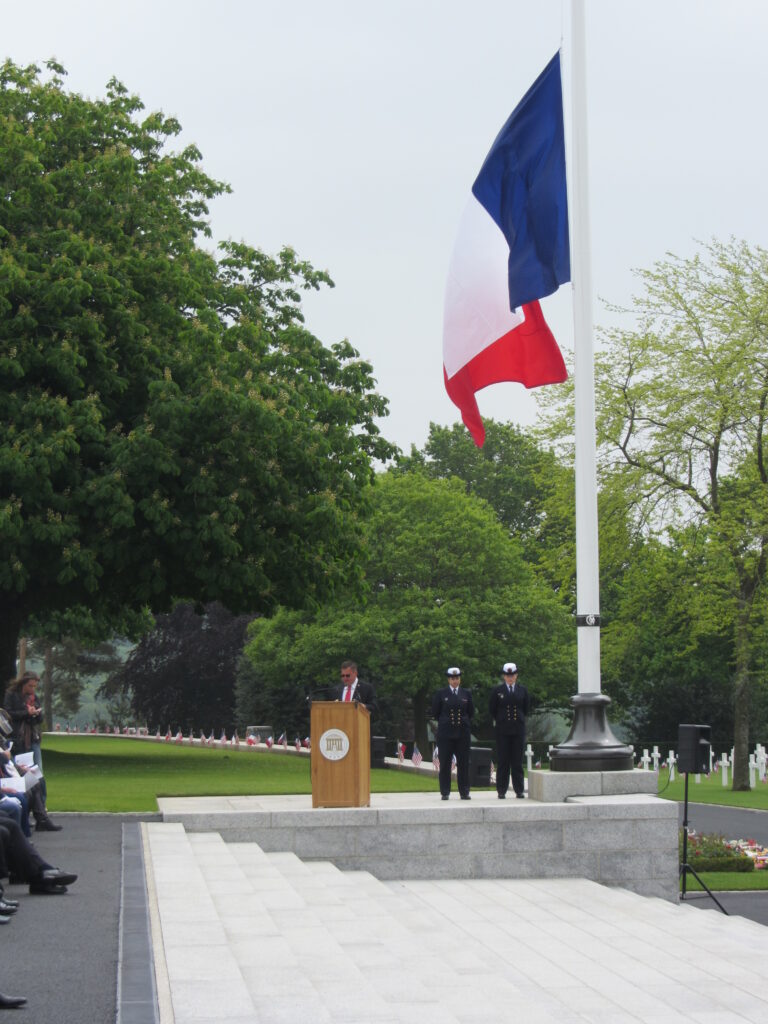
x: 340, y: 754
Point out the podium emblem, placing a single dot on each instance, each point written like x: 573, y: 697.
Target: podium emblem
x: 334, y: 744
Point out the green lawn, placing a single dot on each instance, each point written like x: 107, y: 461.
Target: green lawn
x: 99, y: 773
x: 712, y: 791
x: 728, y: 881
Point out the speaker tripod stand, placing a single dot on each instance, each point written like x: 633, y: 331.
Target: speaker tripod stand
x: 685, y: 867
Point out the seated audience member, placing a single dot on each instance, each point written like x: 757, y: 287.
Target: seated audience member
x: 21, y: 861
x: 26, y: 715
x: 32, y: 799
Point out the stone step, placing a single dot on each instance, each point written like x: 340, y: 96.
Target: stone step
x: 200, y: 971
x: 308, y: 943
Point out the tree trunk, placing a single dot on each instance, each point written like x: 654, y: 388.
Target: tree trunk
x: 22, y: 655
x: 10, y: 626
x: 741, y: 705
x: 48, y: 688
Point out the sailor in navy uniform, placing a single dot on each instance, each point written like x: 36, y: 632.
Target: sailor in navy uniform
x: 453, y: 709
x: 509, y: 706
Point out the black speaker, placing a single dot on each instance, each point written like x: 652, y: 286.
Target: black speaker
x: 480, y: 766
x: 378, y: 746
x: 693, y: 748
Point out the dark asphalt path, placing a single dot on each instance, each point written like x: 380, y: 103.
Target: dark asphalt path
x: 732, y: 823
x: 61, y: 952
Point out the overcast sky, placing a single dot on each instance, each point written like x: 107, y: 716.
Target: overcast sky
x: 352, y: 131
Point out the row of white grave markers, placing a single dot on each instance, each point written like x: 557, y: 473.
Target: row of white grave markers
x: 758, y: 763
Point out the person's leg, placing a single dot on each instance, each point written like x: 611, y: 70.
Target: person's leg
x: 37, y: 806
x: 516, y: 764
x: 38, y: 755
x: 11, y: 807
x: 445, y: 753
x: 462, y: 767
x: 502, y: 768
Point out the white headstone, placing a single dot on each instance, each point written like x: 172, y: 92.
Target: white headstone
x: 645, y: 760
x: 724, y: 768
x: 656, y: 758
x: 529, y: 756
x: 672, y: 762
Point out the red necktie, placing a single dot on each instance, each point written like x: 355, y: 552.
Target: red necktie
x: 348, y: 696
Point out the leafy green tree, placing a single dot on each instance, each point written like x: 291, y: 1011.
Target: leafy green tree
x: 512, y: 472
x: 681, y: 402
x: 444, y: 585
x: 182, y: 673
x: 665, y: 659
x: 168, y: 428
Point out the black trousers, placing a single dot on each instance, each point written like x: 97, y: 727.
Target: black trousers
x: 509, y: 750
x: 17, y: 855
x: 446, y: 748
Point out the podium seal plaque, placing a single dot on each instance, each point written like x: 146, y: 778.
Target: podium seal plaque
x: 334, y: 744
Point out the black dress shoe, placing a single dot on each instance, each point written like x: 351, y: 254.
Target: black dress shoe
x: 444, y: 797
x: 502, y: 796
x: 52, y: 881
x: 46, y: 825
x: 465, y: 796
x: 46, y: 889
x: 7, y: 909
x: 520, y: 796
x: 8, y: 901
x: 11, y: 1002
x: 4, y: 919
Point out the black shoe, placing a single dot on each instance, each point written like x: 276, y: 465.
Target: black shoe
x: 46, y: 889
x: 11, y: 1002
x: 520, y: 796
x: 46, y: 825
x: 445, y: 797
x: 465, y: 796
x: 502, y: 796
x: 4, y: 920
x: 8, y: 901
x: 52, y: 881
x: 6, y: 909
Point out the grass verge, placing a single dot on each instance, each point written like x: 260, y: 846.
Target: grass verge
x: 728, y: 881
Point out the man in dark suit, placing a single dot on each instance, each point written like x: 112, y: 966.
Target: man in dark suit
x: 453, y: 709
x: 509, y: 706
x: 352, y: 689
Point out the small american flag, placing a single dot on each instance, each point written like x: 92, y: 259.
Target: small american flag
x: 400, y: 751
x: 270, y: 742
x: 307, y: 743
x: 416, y: 756
x: 435, y: 760
x: 283, y: 741
x: 298, y: 743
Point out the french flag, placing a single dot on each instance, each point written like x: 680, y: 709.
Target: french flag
x: 512, y: 249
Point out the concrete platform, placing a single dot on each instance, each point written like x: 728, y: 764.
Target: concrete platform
x: 247, y: 936
x: 628, y: 841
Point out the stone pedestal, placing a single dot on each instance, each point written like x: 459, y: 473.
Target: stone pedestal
x: 555, y: 787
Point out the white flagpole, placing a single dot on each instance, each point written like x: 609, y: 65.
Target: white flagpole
x: 591, y: 746
x: 587, y: 551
